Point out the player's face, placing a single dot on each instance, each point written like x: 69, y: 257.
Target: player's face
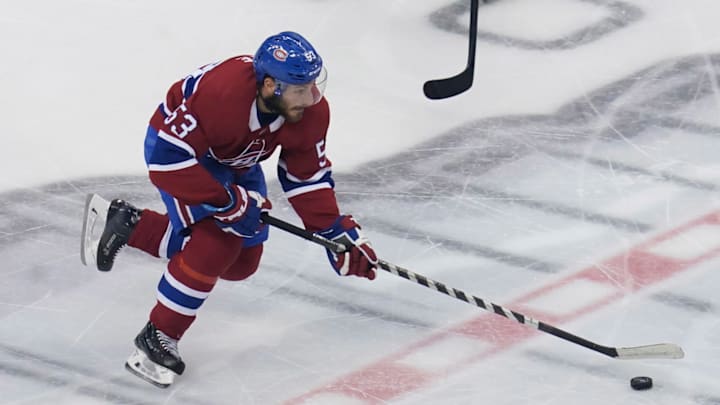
x: 291, y: 100
x: 296, y: 98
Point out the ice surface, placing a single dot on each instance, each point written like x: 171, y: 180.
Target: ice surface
x: 576, y: 182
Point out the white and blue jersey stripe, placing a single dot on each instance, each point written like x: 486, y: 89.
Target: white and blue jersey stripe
x: 177, y: 296
x: 293, y: 186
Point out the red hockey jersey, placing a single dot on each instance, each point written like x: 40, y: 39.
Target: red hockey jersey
x: 212, y: 114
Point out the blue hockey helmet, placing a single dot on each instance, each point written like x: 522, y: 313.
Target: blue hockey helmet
x: 287, y: 57
x: 291, y: 60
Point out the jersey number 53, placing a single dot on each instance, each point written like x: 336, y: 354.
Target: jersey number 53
x: 184, y: 127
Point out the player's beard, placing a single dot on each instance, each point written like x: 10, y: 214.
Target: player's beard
x: 276, y: 105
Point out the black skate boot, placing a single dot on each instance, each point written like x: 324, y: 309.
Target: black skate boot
x: 156, y: 358
x: 121, y: 220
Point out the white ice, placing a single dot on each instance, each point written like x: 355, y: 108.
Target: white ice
x: 576, y: 181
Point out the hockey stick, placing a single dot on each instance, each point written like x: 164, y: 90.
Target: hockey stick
x: 452, y: 86
x: 656, y: 351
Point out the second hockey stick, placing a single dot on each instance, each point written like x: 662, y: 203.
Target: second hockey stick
x: 654, y: 351
x: 452, y: 86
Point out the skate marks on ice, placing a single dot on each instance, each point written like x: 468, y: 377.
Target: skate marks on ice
x: 608, y: 16
x: 652, y: 167
x: 617, y: 166
x: 625, y: 157
x: 459, y: 246
x: 672, y: 392
x: 689, y: 303
x: 561, y: 301
x: 20, y: 228
x: 54, y: 378
x: 318, y: 292
x: 495, y: 181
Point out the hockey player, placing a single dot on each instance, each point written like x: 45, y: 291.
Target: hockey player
x: 203, y: 147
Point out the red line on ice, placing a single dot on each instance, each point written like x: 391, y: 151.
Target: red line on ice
x: 625, y: 273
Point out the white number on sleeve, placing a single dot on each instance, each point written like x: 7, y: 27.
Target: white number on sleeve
x: 188, y: 122
x: 320, y: 147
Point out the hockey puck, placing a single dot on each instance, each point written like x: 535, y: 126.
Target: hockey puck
x: 641, y: 383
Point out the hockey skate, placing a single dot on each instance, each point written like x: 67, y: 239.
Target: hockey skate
x: 156, y: 358
x: 119, y: 217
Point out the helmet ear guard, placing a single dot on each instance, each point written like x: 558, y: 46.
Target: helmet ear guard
x: 278, y: 88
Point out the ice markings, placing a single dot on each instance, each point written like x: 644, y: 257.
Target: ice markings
x: 409, y: 233
x: 333, y: 399
x: 445, y: 353
x: 630, y: 149
x: 687, y: 302
x: 691, y: 244
x: 571, y: 297
x: 582, y: 22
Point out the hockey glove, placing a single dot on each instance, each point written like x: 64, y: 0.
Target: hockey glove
x: 360, y: 259
x: 242, y: 216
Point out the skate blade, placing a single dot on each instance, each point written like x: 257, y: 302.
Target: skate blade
x: 139, y: 364
x: 96, y: 209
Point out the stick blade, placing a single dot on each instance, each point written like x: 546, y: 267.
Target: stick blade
x: 657, y: 351
x: 452, y: 86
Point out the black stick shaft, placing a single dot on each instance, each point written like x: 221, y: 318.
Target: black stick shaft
x: 479, y: 302
x: 451, y: 86
x: 296, y: 230
x: 495, y: 308
x: 472, y: 39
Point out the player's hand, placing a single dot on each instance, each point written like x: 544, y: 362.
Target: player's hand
x: 360, y: 258
x: 242, y: 216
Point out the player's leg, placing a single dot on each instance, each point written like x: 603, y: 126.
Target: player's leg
x: 143, y: 229
x: 155, y: 235
x: 188, y: 280
x: 246, y: 264
x: 249, y: 259
x: 160, y: 235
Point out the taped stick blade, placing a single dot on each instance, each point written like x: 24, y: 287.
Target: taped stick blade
x: 656, y: 351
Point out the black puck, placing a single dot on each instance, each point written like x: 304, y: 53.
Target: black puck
x: 641, y: 383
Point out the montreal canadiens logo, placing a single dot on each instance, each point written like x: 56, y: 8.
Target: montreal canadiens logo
x: 280, y: 54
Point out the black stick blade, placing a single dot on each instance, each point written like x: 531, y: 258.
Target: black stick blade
x: 452, y: 86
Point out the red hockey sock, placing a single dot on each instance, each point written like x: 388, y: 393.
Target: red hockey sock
x: 170, y: 322
x: 149, y: 232
x: 181, y: 292
x: 191, y: 275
